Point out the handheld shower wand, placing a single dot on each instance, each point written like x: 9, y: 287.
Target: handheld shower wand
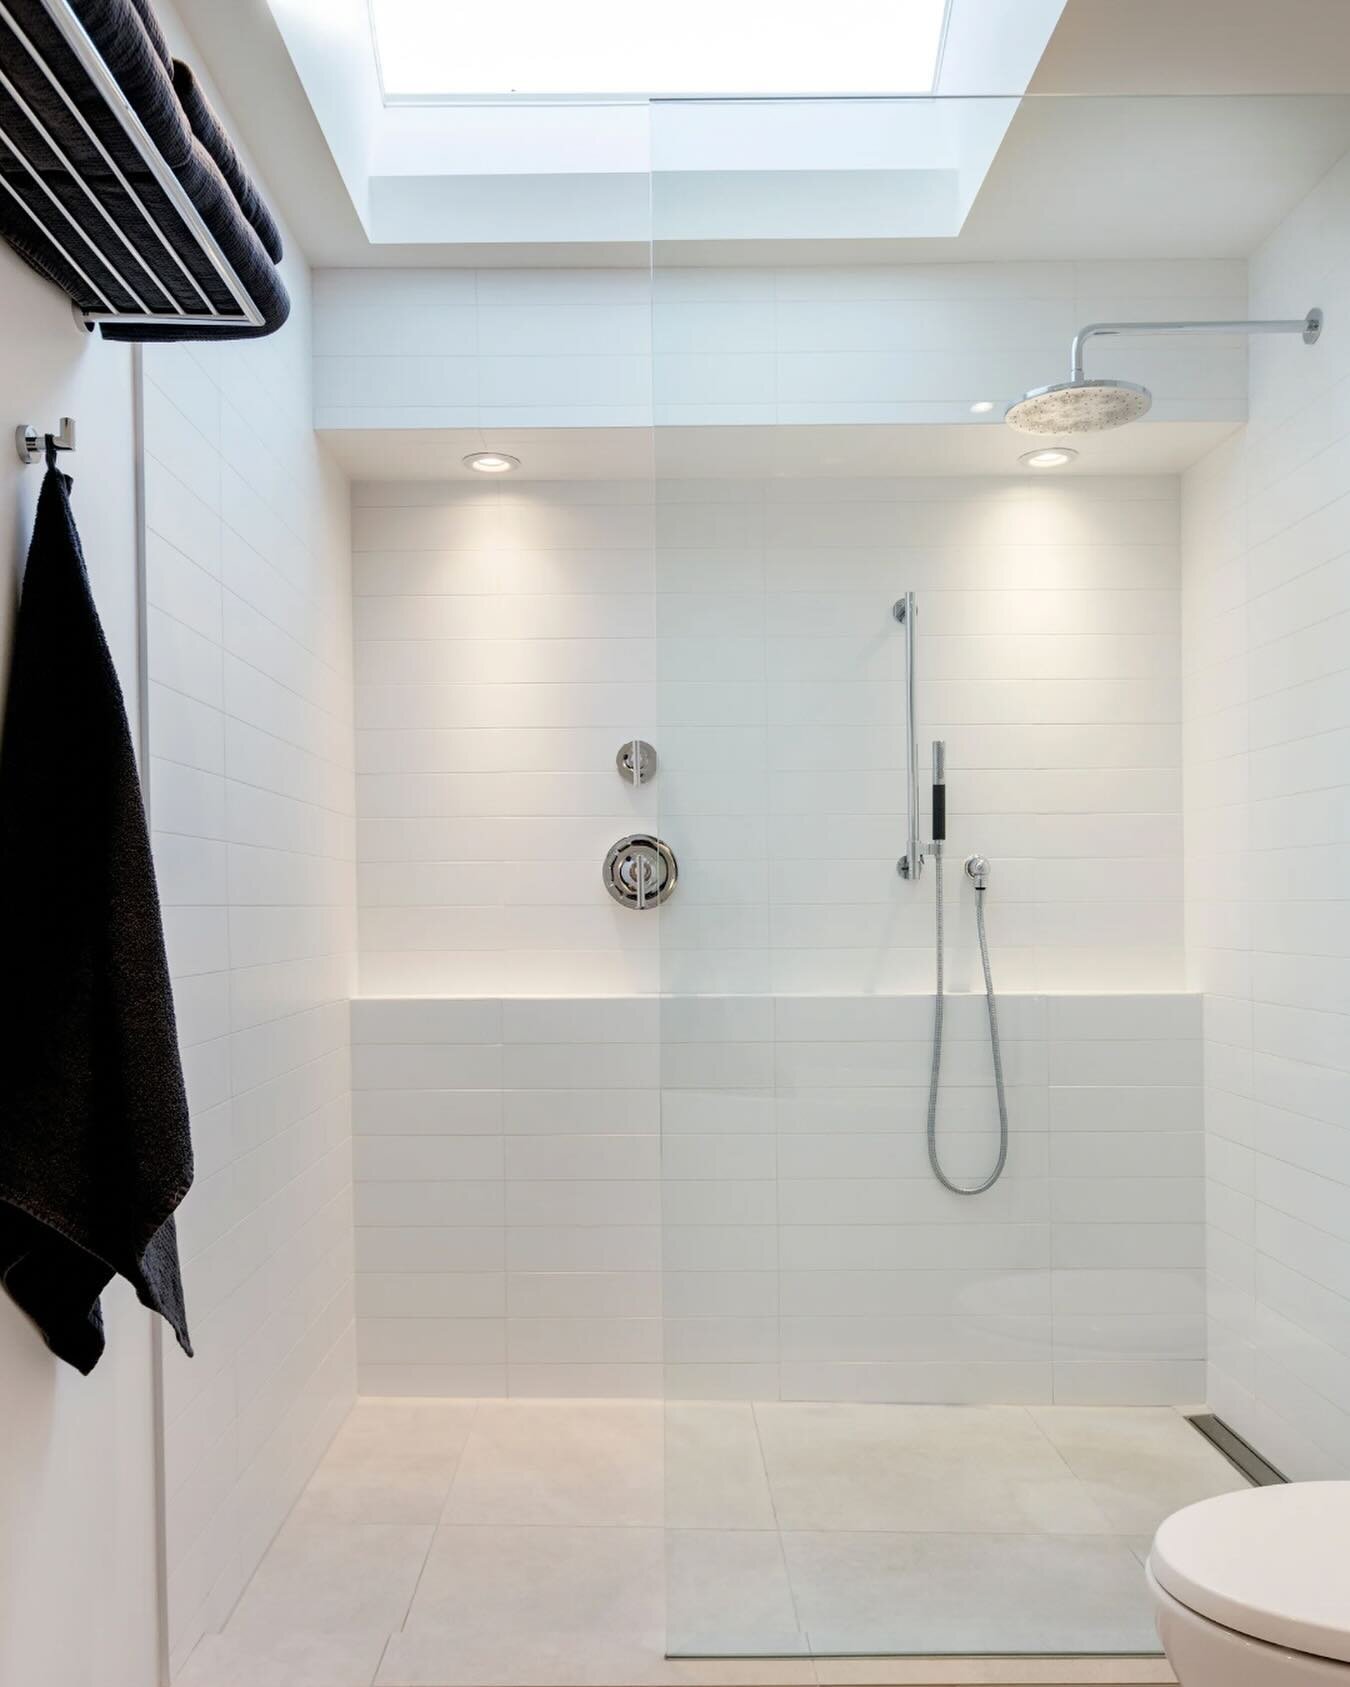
x: 977, y: 870
x: 939, y: 794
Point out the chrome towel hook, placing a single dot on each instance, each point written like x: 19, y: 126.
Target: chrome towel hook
x: 30, y: 443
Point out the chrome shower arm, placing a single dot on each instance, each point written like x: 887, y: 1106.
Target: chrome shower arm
x: 1309, y: 326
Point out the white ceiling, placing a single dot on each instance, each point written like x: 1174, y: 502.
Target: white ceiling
x: 1198, y: 47
x: 726, y: 453
x: 1149, y: 177
x: 1111, y: 177
x: 1193, y: 176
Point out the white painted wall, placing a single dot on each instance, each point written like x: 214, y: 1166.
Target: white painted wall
x: 729, y: 1197
x: 77, y: 1510
x: 1267, y: 712
x: 510, y: 636
x: 611, y: 348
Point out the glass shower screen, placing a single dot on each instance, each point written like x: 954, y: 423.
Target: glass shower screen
x: 901, y: 1418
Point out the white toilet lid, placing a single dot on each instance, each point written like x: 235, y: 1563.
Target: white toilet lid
x: 1272, y: 1563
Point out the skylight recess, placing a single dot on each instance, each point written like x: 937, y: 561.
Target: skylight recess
x: 615, y: 49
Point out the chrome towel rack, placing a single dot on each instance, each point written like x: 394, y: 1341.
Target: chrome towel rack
x: 122, y: 225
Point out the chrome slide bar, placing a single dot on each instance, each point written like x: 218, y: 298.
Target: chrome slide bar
x: 910, y: 864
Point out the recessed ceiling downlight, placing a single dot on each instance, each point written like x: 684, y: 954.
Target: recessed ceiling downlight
x: 1049, y: 457
x: 982, y: 407
x: 491, y: 462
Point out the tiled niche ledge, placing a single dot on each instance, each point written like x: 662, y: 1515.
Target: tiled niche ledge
x: 729, y: 1197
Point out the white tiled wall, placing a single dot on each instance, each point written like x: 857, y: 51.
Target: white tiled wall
x: 610, y: 348
x: 467, y: 348
x: 251, y: 805
x: 509, y: 637
x: 730, y: 1196
x: 1267, y: 694
x: 921, y: 342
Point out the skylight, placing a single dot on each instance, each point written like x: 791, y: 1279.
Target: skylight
x: 540, y: 49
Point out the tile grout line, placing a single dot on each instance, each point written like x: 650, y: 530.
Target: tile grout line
x: 379, y: 1662
x: 778, y: 1532
x: 426, y: 1556
x: 477, y: 1406
x: 1078, y: 1482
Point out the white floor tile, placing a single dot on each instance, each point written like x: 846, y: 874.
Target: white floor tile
x: 925, y: 1593
x: 728, y: 1595
x: 916, y: 1529
x: 331, y: 1659
x: 1139, y: 1463
x: 439, y: 1658
x: 714, y: 1468
x: 992, y: 1672
x: 392, y: 1462
x: 984, y: 1469
x: 505, y: 1582
x: 320, y: 1578
x: 592, y: 1462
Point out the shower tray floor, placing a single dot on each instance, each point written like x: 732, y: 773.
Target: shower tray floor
x: 602, y: 1543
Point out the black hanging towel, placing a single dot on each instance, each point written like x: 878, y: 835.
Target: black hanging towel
x: 95, y: 1153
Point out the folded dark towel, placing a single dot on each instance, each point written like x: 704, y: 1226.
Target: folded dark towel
x: 95, y: 1153
x: 150, y: 24
x: 115, y: 27
x: 206, y: 127
x: 143, y: 72
x: 219, y: 210
x: 138, y: 59
x: 152, y: 280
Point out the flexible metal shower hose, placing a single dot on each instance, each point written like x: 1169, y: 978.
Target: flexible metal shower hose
x: 933, y: 1158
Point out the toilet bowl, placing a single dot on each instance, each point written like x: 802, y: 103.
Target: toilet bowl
x: 1252, y: 1589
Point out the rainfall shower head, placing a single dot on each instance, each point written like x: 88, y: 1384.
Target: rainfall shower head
x: 1078, y: 407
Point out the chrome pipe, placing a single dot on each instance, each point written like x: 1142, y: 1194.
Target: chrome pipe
x: 1309, y: 326
x: 910, y: 864
x: 131, y: 318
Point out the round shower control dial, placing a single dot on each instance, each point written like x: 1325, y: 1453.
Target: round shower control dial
x: 640, y: 871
